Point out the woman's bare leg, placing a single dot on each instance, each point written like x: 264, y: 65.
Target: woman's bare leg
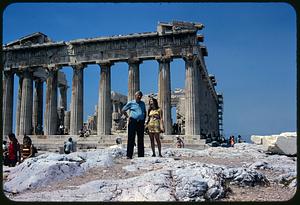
x: 158, y: 143
x: 151, y: 135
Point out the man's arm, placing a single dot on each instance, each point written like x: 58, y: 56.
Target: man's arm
x: 144, y: 111
x: 124, y: 113
x: 124, y: 109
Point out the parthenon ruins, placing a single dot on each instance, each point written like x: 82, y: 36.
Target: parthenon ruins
x: 36, y: 58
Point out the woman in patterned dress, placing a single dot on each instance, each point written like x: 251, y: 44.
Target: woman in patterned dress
x: 155, y: 125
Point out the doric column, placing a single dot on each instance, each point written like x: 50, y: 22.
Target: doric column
x: 26, y: 104
x: 67, y: 121
x: 63, y: 96
x: 164, y: 92
x: 120, y: 106
x: 104, y: 121
x: 133, y: 77
x: 8, y: 93
x: 192, y: 101
x: 19, y: 104
x: 115, y: 114
x: 37, y: 119
x: 76, y: 121
x: 50, y: 117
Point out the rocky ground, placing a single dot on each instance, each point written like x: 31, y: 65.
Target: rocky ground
x: 242, y: 173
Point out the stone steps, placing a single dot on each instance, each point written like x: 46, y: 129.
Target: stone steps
x: 55, y: 142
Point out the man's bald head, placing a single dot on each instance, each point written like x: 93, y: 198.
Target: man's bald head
x: 138, y: 95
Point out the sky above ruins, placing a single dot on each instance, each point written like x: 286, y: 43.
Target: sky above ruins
x: 251, y: 51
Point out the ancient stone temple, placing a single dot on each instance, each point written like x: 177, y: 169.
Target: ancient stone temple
x: 37, y: 61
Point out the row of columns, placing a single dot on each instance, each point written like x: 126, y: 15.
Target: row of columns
x: 29, y: 113
x: 164, y: 95
x: 25, y: 120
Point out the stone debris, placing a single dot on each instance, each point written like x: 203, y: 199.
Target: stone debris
x: 158, y: 179
x: 287, y: 179
x: 245, y: 177
x: 284, y: 143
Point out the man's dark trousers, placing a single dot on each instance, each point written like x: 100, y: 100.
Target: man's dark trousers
x: 135, y: 127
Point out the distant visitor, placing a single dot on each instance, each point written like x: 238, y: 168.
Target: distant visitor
x: 69, y: 146
x: 179, y: 143
x: 27, y: 148
x: 13, y: 150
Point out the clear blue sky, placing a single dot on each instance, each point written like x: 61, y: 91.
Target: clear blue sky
x: 251, y: 51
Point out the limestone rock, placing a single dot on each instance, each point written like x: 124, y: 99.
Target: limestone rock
x: 287, y: 145
x: 152, y: 178
x: 245, y: 177
x: 260, y: 165
x: 256, y: 139
x: 38, y: 173
x: 284, y: 143
x: 287, y: 179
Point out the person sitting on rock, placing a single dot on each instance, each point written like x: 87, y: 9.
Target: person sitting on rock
x: 27, y: 149
x: 239, y: 140
x: 68, y: 146
x: 118, y: 140
x: 179, y: 143
x: 87, y: 133
x: 81, y: 132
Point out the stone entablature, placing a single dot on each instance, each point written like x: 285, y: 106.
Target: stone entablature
x: 114, y: 49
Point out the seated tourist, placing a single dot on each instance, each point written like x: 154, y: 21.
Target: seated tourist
x: 27, y: 149
x: 68, y: 146
x: 179, y: 143
x: 240, y: 139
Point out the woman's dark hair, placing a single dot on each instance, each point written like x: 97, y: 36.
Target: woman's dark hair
x: 12, y: 137
x: 155, y: 103
x: 27, y: 140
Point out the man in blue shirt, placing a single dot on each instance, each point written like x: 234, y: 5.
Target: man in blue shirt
x: 136, y: 124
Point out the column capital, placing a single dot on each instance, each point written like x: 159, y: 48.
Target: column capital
x: 104, y: 63
x: 40, y: 74
x: 53, y: 67
x: 62, y: 86
x: 78, y: 66
x: 163, y: 59
x: 134, y: 61
x: 38, y: 80
x: 25, y: 69
x: 27, y: 72
x: 189, y: 57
